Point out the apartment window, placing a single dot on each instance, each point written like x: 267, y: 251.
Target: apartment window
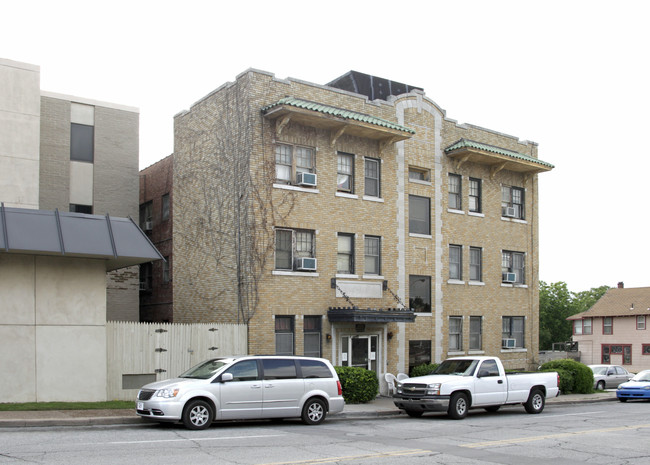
x: 146, y: 216
x: 146, y: 277
x: 312, y: 335
x: 345, y: 254
x: 512, y: 267
x: 475, y: 333
x: 419, y: 174
x: 640, y: 322
x: 372, y: 255
x: 419, y: 215
x: 475, y: 195
x: 512, y: 202
x: 513, y: 328
x: 456, y: 262
x: 76, y: 208
x: 455, y: 333
x: 345, y: 172
x: 165, y: 270
x: 372, y: 177
x: 290, y: 160
x: 419, y: 353
x: 420, y: 293
x: 165, y: 207
x: 292, y: 245
x: 475, y: 264
x: 455, y: 190
x: 284, y: 335
x: 82, y: 132
x: 608, y: 325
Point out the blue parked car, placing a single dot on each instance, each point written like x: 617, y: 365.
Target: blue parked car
x: 636, y: 388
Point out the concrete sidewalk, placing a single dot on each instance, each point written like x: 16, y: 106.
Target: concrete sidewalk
x: 381, y: 406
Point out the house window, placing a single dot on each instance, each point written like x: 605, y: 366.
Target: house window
x: 512, y: 267
x: 419, y: 353
x: 419, y: 174
x: 372, y: 180
x: 292, y: 245
x: 165, y: 207
x: 420, y: 293
x: 284, y: 335
x: 146, y: 214
x: 475, y: 264
x: 512, y: 202
x: 76, y: 208
x: 345, y: 172
x: 577, y: 327
x: 640, y: 322
x: 608, y: 325
x: 645, y: 349
x: 345, y: 254
x: 616, y: 351
x: 290, y: 160
x: 312, y: 334
x: 372, y: 255
x: 456, y: 262
x: 455, y: 189
x: 455, y: 333
x: 419, y: 215
x: 475, y: 195
x: 82, y: 132
x: 586, y: 326
x: 512, y: 327
x: 475, y: 333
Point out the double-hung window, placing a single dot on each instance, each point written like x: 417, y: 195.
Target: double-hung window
x: 345, y: 254
x: 345, y: 172
x: 512, y: 202
x: 420, y: 293
x: 513, y: 328
x: 312, y: 335
x: 455, y: 333
x: 291, y: 160
x: 164, y: 207
x: 608, y: 325
x: 475, y: 333
x: 475, y: 264
x: 640, y: 322
x: 372, y: 177
x: 455, y: 191
x: 456, y: 262
x: 475, y: 195
x: 284, y: 335
x: 293, y: 245
x: 372, y: 255
x: 419, y: 215
x: 512, y: 267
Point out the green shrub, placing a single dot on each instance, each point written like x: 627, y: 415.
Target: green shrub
x: 422, y: 370
x: 359, y: 385
x: 575, y: 377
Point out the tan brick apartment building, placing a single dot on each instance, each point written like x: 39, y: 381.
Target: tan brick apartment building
x: 356, y: 222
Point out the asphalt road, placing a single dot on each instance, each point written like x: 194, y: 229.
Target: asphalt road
x: 607, y: 433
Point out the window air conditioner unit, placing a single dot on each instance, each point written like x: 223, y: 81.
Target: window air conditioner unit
x: 510, y: 212
x: 148, y: 225
x: 306, y: 179
x: 509, y: 277
x: 508, y: 343
x: 306, y: 264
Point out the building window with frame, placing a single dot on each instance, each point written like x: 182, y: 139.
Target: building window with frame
x: 455, y: 192
x: 420, y: 293
x: 82, y: 132
x: 645, y: 349
x: 513, y: 328
x: 577, y: 327
x: 587, y: 326
x: 476, y: 264
x: 512, y: 202
x: 640, y: 322
x: 456, y: 262
x: 165, y: 207
x: 165, y: 271
x: 475, y: 333
x: 312, y: 336
x: 345, y: 172
x: 146, y: 277
x: 419, y: 174
x: 608, y: 325
x: 372, y: 255
x: 290, y: 160
x: 345, y: 254
x: 475, y: 203
x: 455, y: 333
x: 372, y: 182
x: 77, y: 208
x: 284, y: 335
x: 618, y: 350
x: 146, y: 216
x: 419, y: 353
x: 512, y: 267
x: 419, y: 215
x: 292, y: 245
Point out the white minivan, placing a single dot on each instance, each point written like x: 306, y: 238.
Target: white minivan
x: 241, y: 388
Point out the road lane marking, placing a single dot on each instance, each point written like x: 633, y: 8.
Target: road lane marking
x: 345, y: 458
x: 222, y: 438
x: 502, y: 442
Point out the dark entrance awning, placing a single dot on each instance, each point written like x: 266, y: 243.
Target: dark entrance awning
x: 370, y: 315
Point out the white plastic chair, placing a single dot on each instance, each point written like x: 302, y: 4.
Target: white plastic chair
x: 390, y: 380
x: 402, y: 376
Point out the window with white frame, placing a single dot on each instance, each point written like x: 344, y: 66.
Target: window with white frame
x: 293, y: 245
x: 455, y: 262
x: 640, y: 322
x: 476, y: 264
x: 475, y: 201
x: 608, y: 325
x: 372, y: 186
x: 513, y: 328
x: 455, y: 192
x: 345, y: 172
x: 312, y: 336
x: 455, y: 333
x: 420, y: 293
x: 372, y: 255
x: 284, y: 335
x: 345, y: 253
x: 475, y: 333
x: 512, y: 267
x: 292, y: 159
x: 512, y: 202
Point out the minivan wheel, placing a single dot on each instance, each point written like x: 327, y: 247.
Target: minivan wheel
x: 314, y: 412
x: 197, y: 414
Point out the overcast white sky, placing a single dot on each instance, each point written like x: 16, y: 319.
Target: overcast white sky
x: 573, y: 76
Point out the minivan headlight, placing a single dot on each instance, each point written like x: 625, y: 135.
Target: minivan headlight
x: 167, y: 393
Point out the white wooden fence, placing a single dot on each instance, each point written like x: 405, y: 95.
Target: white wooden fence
x: 138, y: 353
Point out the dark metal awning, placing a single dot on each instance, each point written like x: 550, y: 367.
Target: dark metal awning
x: 370, y: 315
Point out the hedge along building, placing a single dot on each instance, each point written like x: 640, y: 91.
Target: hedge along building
x: 356, y: 222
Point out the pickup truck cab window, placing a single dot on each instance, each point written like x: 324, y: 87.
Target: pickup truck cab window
x: 489, y: 368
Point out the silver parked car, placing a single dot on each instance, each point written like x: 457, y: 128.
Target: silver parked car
x: 609, y: 376
x: 240, y: 388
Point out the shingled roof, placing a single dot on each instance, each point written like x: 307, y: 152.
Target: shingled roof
x: 619, y: 302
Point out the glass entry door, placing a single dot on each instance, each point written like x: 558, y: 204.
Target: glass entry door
x: 359, y: 351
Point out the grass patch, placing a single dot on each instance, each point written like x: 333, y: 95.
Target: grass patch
x: 110, y: 405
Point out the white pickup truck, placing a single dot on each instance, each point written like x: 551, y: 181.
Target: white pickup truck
x: 462, y: 383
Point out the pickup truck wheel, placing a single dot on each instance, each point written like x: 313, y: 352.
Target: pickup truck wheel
x: 197, y: 415
x: 414, y: 413
x: 314, y: 412
x: 458, y: 406
x: 535, y: 402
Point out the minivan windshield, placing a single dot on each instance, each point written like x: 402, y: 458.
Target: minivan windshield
x: 456, y: 367
x: 205, y: 369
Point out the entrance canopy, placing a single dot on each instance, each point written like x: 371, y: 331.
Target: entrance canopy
x: 370, y: 315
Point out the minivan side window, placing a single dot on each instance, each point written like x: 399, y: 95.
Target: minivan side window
x: 244, y: 371
x: 279, y: 368
x: 314, y: 369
